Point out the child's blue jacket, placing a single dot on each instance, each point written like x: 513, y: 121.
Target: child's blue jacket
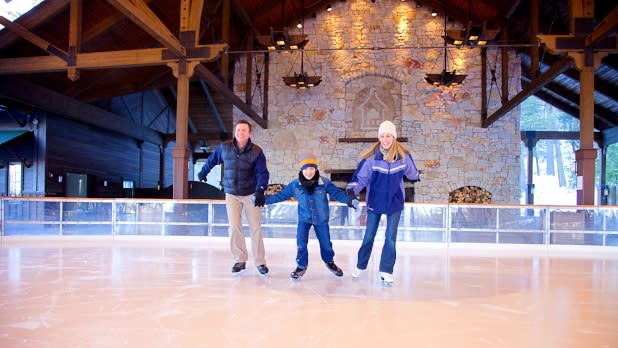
x: 312, y: 208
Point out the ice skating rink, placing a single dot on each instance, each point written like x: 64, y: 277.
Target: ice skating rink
x: 179, y: 292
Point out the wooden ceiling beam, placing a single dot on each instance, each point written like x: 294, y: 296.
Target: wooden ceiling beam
x: 570, y: 108
x: 600, y: 112
x: 45, y: 99
x: 536, y: 84
x: 75, y: 37
x: 103, y: 25
x: 202, y: 72
x: 602, y: 86
x: 107, y: 60
x: 195, y: 16
x: 606, y: 27
x: 34, y: 39
x: 39, y: 15
x: 138, y: 12
x: 240, y: 11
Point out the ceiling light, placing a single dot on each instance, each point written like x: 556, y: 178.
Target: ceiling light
x: 434, y: 13
x: 471, y: 34
x: 418, y: 4
x: 302, y: 80
x: 445, y: 78
x: 281, y: 40
x: 329, y: 8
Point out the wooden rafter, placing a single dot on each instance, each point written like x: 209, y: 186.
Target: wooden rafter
x: 138, y: 12
x: 75, y: 35
x: 46, y: 99
x: 202, y: 72
x: 45, y: 10
x: 34, y: 39
x: 106, y: 60
x: 536, y: 84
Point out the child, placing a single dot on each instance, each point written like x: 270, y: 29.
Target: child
x: 310, y: 190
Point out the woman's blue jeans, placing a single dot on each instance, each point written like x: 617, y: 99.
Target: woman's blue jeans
x: 389, y: 254
x: 322, y: 232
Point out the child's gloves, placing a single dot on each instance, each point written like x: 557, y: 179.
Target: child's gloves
x: 353, y: 203
x: 351, y: 195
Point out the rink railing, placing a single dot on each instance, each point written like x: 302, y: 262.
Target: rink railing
x: 438, y: 223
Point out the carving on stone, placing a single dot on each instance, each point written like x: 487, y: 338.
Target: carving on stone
x: 371, y: 99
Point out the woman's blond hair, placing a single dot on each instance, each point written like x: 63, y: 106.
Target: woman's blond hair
x: 395, y: 152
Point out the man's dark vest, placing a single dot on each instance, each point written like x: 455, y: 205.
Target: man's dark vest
x: 239, y: 168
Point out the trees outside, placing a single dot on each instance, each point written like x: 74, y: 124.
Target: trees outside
x: 554, y: 173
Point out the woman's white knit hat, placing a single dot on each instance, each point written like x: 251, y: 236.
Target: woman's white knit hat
x: 387, y: 127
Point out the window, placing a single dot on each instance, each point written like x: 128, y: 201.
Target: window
x: 15, y: 8
x: 15, y: 178
x: 553, y: 174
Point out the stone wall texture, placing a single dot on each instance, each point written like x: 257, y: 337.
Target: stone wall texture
x: 373, y: 60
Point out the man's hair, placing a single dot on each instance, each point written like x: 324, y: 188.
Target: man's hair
x: 243, y: 122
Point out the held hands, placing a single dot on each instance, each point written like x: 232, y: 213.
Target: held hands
x: 353, y: 203
x: 352, y: 198
x: 351, y: 195
x: 259, y: 198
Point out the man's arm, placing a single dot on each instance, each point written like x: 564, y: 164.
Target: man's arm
x: 261, y: 173
x: 213, y: 160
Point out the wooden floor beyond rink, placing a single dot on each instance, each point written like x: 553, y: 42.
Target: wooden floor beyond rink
x: 179, y: 292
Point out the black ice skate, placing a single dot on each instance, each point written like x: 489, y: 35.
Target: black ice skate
x: 334, y: 268
x: 238, y: 267
x: 298, y: 272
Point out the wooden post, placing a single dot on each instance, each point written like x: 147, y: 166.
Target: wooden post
x: 587, y: 154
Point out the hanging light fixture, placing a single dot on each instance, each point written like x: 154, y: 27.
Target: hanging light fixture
x: 445, y: 78
x: 302, y: 80
x: 472, y: 34
x: 281, y: 40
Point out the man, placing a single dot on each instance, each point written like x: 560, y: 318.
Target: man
x: 244, y: 176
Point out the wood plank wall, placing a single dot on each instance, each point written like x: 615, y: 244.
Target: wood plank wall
x: 105, y: 156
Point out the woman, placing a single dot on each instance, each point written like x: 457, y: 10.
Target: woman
x: 381, y: 172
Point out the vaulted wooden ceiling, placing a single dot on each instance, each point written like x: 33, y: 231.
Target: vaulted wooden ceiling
x: 230, y: 26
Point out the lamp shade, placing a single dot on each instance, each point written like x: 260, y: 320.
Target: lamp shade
x: 445, y: 79
x: 471, y: 35
x: 280, y: 40
x: 302, y: 81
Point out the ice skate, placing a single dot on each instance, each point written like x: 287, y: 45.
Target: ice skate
x: 334, y: 269
x: 298, y: 272
x: 387, y: 278
x: 357, y: 272
x: 238, y: 267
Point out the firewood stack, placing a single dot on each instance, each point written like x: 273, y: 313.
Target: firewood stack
x: 470, y: 194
